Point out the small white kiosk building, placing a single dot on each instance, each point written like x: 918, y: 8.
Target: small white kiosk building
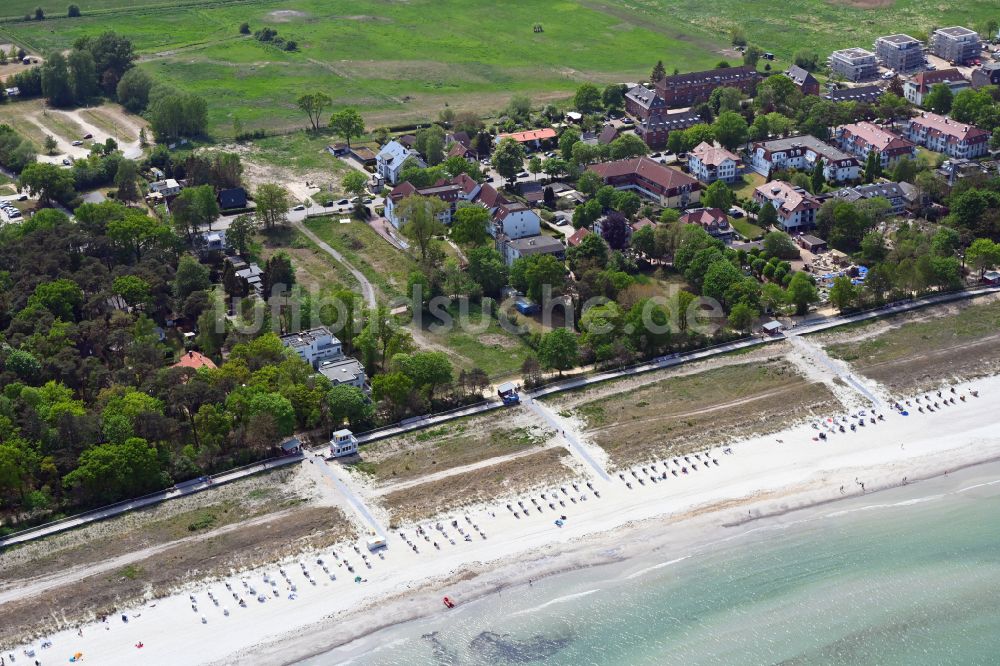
x: 343, y: 444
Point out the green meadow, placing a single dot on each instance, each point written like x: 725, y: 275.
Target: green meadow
x: 404, y: 61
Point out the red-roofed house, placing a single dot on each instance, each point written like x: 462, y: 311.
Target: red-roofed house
x: 195, y: 360
x: 795, y: 207
x: 642, y: 223
x: 668, y: 187
x: 944, y: 135
x: 461, y: 188
x: 710, y: 163
x: 489, y: 197
x: 532, y: 137
x: 917, y: 88
x: 713, y: 220
x: 578, y: 237
x: 864, y: 137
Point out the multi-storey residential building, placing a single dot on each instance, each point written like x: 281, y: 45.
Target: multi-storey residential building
x: 901, y: 53
x: 666, y: 186
x: 460, y: 188
x: 802, y: 153
x: 894, y: 193
x: 944, y: 135
x: 713, y: 220
x: 956, y: 44
x: 869, y: 94
x: 862, y: 138
x: 693, y: 88
x: 642, y: 102
x: 796, y: 208
x: 345, y: 371
x: 709, y: 163
x: 854, y: 64
x: 513, y: 249
x: 390, y: 159
x: 802, y: 78
x: 916, y: 89
x: 315, y: 345
x: 515, y: 220
x: 655, y: 129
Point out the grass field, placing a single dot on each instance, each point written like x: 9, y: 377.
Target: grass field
x: 315, y: 270
x: 385, y: 266
x: 687, y: 412
x: 403, y: 61
x: 455, y: 444
x: 482, y: 485
x: 922, y: 354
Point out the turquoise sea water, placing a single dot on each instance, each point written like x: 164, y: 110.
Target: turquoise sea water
x: 907, y: 576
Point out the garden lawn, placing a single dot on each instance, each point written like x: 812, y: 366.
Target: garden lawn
x: 747, y: 229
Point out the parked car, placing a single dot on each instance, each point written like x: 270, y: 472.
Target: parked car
x: 736, y: 212
x: 523, y: 174
x: 88, y: 136
x: 66, y: 161
x: 299, y: 207
x: 78, y: 143
x: 342, y: 202
x: 328, y: 204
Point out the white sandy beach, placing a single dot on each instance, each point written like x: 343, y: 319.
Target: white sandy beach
x: 763, y: 476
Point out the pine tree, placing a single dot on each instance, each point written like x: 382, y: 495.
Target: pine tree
x: 658, y: 71
x: 817, y: 179
x: 873, y: 166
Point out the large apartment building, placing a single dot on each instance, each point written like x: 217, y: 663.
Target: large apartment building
x: 655, y: 129
x: 642, y: 102
x: 802, y: 153
x: 854, y: 64
x: 862, y: 138
x: 650, y: 179
x: 956, y: 44
x: 944, y: 135
x: 693, y: 88
x: 901, y: 53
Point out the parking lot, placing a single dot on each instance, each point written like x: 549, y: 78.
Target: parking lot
x: 9, y: 213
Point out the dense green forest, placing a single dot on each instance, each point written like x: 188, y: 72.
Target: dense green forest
x: 91, y: 410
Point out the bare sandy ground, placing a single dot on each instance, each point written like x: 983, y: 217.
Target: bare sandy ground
x: 770, y: 474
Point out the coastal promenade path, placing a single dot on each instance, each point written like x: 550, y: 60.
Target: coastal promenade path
x: 180, y: 490
x: 419, y: 423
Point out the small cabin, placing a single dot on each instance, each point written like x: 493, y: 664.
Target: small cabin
x: 343, y: 444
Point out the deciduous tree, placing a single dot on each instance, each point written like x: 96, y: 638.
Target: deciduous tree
x: 347, y: 123
x: 557, y: 350
x: 313, y: 105
x: 272, y: 205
